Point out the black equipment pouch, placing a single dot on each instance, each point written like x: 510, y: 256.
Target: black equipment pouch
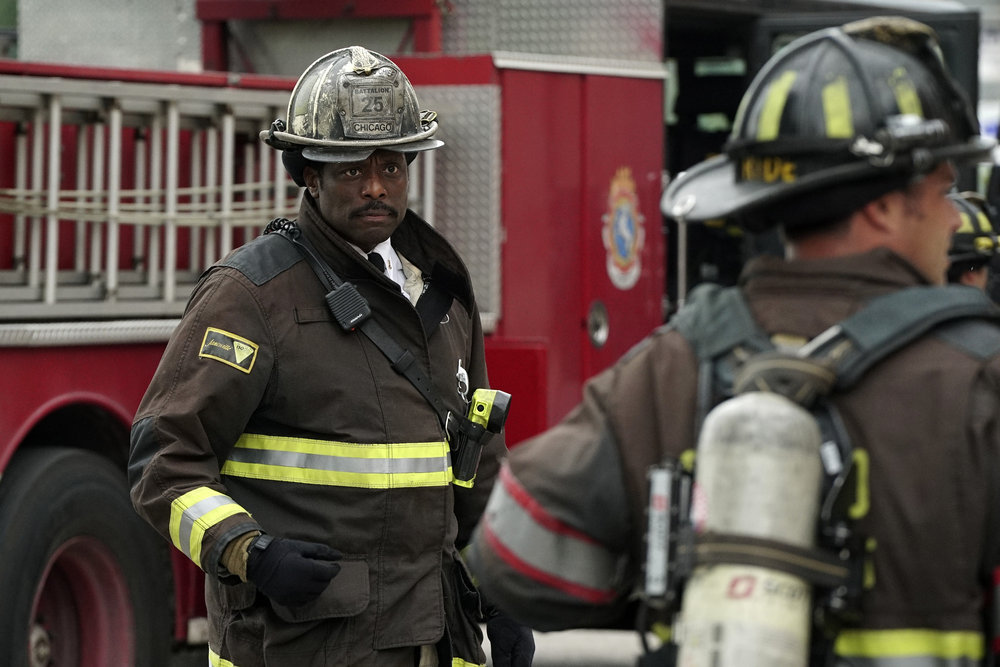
x: 468, y: 447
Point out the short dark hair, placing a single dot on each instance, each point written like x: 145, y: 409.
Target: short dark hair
x: 822, y: 210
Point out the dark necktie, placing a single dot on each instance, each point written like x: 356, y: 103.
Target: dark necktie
x: 376, y: 260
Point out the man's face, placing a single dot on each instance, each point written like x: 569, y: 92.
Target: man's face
x: 929, y: 221
x: 363, y: 201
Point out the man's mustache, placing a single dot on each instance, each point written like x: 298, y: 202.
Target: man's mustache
x: 375, y: 206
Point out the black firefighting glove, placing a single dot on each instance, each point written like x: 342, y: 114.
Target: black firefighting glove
x: 291, y: 572
x: 511, y: 644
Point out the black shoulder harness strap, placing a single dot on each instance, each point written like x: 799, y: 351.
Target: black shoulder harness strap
x: 351, y: 311
x: 719, y: 321
x: 735, y: 354
x: 893, y: 321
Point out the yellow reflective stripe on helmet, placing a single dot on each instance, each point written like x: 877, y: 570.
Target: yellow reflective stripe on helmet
x: 350, y: 464
x: 905, y: 92
x: 984, y: 222
x: 910, y: 642
x: 983, y: 244
x: 774, y: 105
x: 194, y: 513
x: 837, y: 109
x: 215, y: 660
x: 980, y: 226
x: 966, y: 227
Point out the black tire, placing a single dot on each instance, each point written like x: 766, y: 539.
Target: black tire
x: 84, y: 582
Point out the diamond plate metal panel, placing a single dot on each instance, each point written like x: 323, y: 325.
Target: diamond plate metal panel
x: 620, y: 29
x: 467, y: 182
x: 111, y: 33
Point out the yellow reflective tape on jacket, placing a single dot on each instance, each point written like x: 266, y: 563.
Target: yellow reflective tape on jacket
x: 954, y: 646
x: 215, y: 660
x: 859, y: 509
x: 194, y: 513
x: 349, y: 464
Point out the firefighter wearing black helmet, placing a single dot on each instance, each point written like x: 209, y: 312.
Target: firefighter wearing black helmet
x: 846, y: 142
x: 974, y: 244
x: 282, y: 452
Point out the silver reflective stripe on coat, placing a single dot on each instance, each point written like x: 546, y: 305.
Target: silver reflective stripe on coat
x: 540, y: 547
x: 192, y: 514
x: 348, y: 464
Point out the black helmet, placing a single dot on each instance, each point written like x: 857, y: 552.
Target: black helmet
x: 863, y: 107
x: 345, y: 106
x: 974, y: 244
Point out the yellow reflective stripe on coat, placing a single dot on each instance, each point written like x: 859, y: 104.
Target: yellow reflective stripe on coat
x: 912, y: 646
x: 215, y: 660
x: 349, y: 464
x: 194, y: 513
x: 458, y: 662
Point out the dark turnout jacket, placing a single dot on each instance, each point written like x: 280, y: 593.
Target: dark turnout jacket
x: 561, y: 543
x: 264, y: 414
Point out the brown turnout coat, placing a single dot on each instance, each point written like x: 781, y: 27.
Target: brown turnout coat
x: 928, y: 418
x: 257, y: 359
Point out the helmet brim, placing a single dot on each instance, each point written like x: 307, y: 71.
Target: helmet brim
x: 710, y: 189
x: 339, y: 154
x: 347, y: 150
x: 970, y: 257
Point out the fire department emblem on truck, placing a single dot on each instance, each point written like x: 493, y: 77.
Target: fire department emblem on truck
x: 623, y: 231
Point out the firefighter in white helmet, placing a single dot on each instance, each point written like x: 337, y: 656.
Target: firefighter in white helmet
x: 305, y: 466
x: 847, y: 141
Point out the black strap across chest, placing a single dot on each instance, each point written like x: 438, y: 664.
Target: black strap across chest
x: 344, y: 297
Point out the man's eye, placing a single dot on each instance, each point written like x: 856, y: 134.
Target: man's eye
x: 352, y: 172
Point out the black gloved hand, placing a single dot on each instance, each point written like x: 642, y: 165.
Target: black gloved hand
x: 511, y: 644
x: 291, y: 572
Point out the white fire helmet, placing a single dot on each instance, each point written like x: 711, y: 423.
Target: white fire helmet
x: 345, y: 106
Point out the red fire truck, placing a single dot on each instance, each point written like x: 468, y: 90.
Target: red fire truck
x: 119, y: 186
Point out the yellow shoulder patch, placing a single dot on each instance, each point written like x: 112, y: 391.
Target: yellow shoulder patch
x: 228, y: 348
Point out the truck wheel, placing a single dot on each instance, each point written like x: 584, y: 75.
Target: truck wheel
x: 84, y: 582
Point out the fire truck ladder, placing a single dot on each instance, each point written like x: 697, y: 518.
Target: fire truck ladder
x: 123, y: 193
